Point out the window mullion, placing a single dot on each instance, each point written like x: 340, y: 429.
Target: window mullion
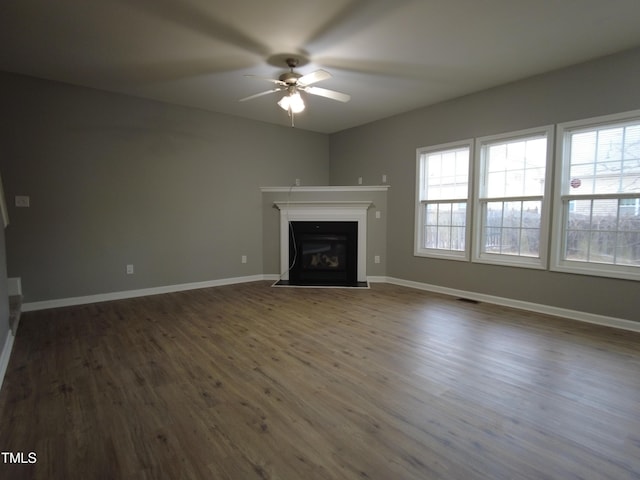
x: 525, y: 198
x: 590, y: 242
x: 446, y: 200
x: 595, y: 163
x: 600, y: 196
x: 616, y: 233
x: 622, y: 159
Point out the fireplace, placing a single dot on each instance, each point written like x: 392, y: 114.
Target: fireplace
x: 323, y: 243
x: 323, y: 253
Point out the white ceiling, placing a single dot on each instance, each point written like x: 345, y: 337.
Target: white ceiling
x: 390, y: 56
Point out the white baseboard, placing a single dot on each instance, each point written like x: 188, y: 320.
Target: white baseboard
x: 507, y: 302
x: 5, y: 355
x: 106, y: 297
x: 519, y: 304
x: 377, y: 279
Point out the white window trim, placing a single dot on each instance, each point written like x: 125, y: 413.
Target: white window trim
x: 419, y: 251
x: 478, y: 256
x: 557, y: 263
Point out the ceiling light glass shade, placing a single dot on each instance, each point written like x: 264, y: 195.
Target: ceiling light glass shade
x: 295, y: 103
x: 284, y: 102
x: 292, y: 102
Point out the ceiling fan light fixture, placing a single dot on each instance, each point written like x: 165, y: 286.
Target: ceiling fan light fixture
x: 295, y: 103
x: 292, y: 103
x: 284, y: 102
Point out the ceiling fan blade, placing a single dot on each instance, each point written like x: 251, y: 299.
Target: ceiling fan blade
x: 332, y: 94
x: 251, y: 97
x: 412, y: 71
x: 313, y: 77
x: 204, y: 20
x: 272, y: 80
x: 348, y: 21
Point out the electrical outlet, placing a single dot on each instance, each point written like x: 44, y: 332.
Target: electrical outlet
x: 244, y: 259
x: 359, y: 180
x: 297, y: 182
x: 129, y: 269
x: 23, y: 201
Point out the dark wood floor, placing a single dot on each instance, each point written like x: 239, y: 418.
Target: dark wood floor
x: 253, y: 382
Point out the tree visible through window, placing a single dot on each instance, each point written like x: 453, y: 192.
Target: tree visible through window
x: 600, y: 196
x: 443, y: 190
x: 511, y: 203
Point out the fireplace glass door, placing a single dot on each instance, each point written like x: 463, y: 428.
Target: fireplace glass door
x: 323, y: 253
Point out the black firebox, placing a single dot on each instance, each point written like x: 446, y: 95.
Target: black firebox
x: 323, y: 253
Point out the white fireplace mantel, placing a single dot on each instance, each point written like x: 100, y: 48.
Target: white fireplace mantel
x: 324, y: 211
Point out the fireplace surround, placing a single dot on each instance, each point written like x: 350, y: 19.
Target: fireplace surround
x: 322, y: 251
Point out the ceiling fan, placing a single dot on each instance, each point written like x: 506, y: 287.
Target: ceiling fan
x: 293, y: 83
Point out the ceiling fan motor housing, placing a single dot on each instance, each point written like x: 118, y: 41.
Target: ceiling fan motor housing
x: 290, y: 78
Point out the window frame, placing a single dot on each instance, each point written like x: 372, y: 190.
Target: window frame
x: 418, y: 249
x: 480, y: 200
x: 561, y: 199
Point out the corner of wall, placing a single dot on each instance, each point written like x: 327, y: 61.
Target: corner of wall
x: 14, y: 286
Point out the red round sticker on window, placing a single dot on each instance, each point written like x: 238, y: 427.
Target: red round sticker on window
x: 575, y: 183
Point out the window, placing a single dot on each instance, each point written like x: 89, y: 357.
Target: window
x: 597, y: 229
x: 511, y: 210
x: 596, y: 214
x: 442, y: 212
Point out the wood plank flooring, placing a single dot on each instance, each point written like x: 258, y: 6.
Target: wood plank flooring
x: 254, y: 382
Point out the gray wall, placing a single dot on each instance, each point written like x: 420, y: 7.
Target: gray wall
x: 115, y: 180
x: 388, y: 147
